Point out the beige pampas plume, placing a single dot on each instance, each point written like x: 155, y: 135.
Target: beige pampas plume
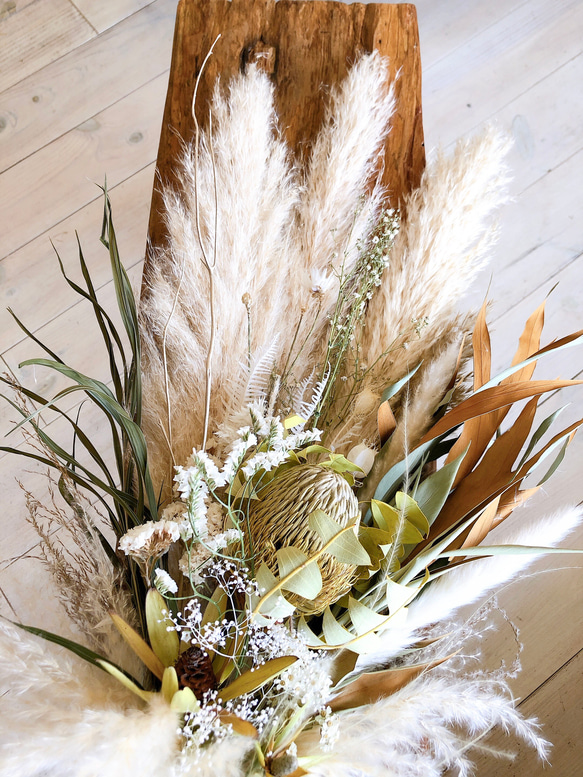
x: 241, y: 194
x: 61, y: 716
x: 336, y: 213
x: 441, y: 247
x: 272, y: 241
x: 471, y: 582
x: 421, y: 731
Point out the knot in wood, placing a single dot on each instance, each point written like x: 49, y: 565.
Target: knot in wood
x: 261, y: 54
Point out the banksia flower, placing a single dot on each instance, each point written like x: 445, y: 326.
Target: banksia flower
x: 280, y: 519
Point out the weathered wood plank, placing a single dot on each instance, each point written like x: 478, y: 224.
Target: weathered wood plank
x: 37, y: 35
x: 20, y: 272
x: 60, y: 178
x: 558, y: 705
x: 103, y: 15
x: 75, y: 338
x: 308, y: 44
x: 84, y: 82
x: 546, y: 35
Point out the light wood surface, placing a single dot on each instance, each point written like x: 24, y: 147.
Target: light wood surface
x: 305, y: 47
x: 82, y: 96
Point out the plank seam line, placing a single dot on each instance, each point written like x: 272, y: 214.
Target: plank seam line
x: 492, y: 116
x: 85, y: 43
x: 80, y: 12
x: 72, y: 129
x: 556, y: 167
x: 469, y: 40
x: 551, y: 677
x: 57, y: 59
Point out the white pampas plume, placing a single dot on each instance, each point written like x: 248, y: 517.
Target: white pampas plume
x: 335, y: 213
x: 63, y: 717
x: 442, y: 244
x: 245, y: 165
x: 422, y: 730
x: 471, y: 582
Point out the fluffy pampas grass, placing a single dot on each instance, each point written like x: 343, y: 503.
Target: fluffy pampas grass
x: 470, y: 583
x: 422, y: 730
x: 273, y: 233
x: 442, y: 245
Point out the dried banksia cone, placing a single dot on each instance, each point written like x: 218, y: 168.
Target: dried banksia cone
x: 195, y: 671
x: 280, y: 519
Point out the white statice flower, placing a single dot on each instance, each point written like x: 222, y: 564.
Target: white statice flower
x: 245, y: 440
x: 150, y: 540
x: 264, y: 460
x: 298, y: 439
x: 192, y: 560
x: 164, y: 583
x: 220, y: 541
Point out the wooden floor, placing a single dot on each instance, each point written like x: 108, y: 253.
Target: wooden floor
x: 82, y: 88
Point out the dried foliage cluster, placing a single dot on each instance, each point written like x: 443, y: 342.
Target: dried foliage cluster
x: 305, y: 476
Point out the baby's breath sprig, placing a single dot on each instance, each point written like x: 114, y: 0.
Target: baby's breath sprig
x: 356, y: 290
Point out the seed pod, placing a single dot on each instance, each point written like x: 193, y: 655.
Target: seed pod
x: 195, y: 671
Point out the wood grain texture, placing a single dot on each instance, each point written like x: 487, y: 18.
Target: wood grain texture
x: 102, y: 15
x: 36, y: 35
x: 558, y: 704
x: 47, y: 104
x: 309, y: 47
x: 120, y: 140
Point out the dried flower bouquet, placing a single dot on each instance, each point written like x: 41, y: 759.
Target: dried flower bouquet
x: 307, y: 473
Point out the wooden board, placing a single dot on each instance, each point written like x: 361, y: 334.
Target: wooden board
x: 36, y: 35
x: 306, y: 47
x: 84, y: 82
x: 102, y: 15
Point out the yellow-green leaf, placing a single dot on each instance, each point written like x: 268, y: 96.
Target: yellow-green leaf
x: 408, y: 507
x: 165, y: 644
x: 169, y: 683
x: 252, y: 680
x: 363, y: 618
x: 184, y: 701
x: 304, y: 575
x: 125, y: 680
x: 139, y: 646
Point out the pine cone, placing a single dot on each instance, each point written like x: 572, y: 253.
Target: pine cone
x: 195, y: 671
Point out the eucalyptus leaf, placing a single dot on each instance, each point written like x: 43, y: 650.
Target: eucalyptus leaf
x: 537, y: 436
x: 251, y: 680
x: 433, y: 492
x: 342, y: 542
x: 391, y: 390
x: 412, y: 511
x: 556, y: 463
x: 165, y: 643
x: 363, y: 618
x: 334, y: 633
x: 402, y: 470
x: 304, y: 575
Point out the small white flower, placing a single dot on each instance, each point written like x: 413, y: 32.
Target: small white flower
x: 150, y: 540
x: 164, y: 583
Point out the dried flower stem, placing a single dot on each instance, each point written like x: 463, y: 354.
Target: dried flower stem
x: 209, y: 266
